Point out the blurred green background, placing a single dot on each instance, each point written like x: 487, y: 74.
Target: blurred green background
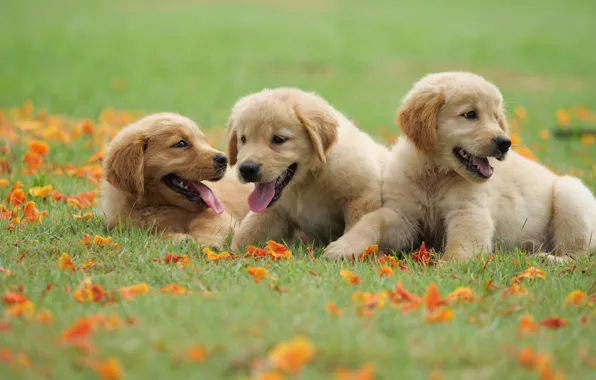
x: 197, y: 57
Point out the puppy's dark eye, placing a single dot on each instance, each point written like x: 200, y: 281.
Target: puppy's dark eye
x: 243, y: 139
x: 278, y: 140
x: 470, y: 115
x: 181, y: 144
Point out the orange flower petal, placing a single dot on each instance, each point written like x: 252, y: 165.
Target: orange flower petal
x: 385, y: 271
x: 109, y: 369
x: 134, y: 290
x: 442, y: 315
x: 577, y: 298
x: 333, y: 309
x: 290, y: 356
x: 349, y: 277
x: 366, y: 372
x: 527, y: 325
x: 14, y: 298
x: 257, y: 273
x: 65, y: 262
x: 196, y: 354
x: 553, y: 322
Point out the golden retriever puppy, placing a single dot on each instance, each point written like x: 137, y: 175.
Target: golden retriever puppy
x: 452, y: 182
x: 156, y: 174
x: 314, y: 171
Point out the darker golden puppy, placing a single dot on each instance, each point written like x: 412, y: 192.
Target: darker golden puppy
x: 160, y: 174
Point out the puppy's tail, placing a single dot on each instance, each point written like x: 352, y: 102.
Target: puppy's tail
x: 574, y: 217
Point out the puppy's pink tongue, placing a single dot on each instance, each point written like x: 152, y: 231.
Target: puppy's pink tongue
x: 483, y: 165
x: 209, y: 197
x: 261, y: 196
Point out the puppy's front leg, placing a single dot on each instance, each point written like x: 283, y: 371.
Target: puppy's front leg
x: 469, y: 230
x: 356, y: 208
x: 212, y: 230
x: 380, y: 226
x: 257, y: 228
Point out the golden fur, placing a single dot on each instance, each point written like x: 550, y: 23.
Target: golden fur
x: 134, y: 191
x: 338, y: 174
x: 428, y: 194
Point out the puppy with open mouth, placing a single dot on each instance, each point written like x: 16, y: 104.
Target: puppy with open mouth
x: 313, y: 170
x: 452, y: 182
x: 161, y: 174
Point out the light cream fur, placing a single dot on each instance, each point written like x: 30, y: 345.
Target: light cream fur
x: 133, y: 191
x: 338, y: 178
x: 429, y: 196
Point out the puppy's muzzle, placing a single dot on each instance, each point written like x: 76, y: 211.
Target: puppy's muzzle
x: 250, y: 171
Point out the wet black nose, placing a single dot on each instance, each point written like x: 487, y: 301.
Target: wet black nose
x: 249, y: 170
x: 503, y: 143
x: 220, y: 160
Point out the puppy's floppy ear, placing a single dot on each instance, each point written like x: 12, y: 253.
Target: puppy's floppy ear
x: 321, y: 127
x: 417, y: 118
x: 232, y: 143
x: 124, y: 164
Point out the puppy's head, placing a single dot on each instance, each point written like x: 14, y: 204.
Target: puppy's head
x: 276, y: 137
x: 457, y: 119
x: 162, y: 159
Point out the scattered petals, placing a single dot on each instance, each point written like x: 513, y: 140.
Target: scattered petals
x: 14, y: 298
x: 290, y: 356
x: 278, y: 251
x: 257, y: 273
x: 21, y: 310
x: 174, y: 289
x: 196, y: 354
x: 65, y: 263
x: 134, y: 290
x: 212, y: 256
x: 89, y: 264
x: 553, y: 322
x: 527, y: 325
x: 440, y: 316
x: 532, y: 273
x: 385, y: 271
x: 109, y: 369
x: 45, y: 317
x: 333, y: 309
x: 463, y: 294
x: 349, y: 277
x: 577, y: 298
x: 366, y: 372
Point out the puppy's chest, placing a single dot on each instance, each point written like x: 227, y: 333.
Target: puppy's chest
x: 432, y: 215
x: 313, y: 211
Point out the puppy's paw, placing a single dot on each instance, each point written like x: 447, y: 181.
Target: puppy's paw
x: 180, y: 238
x: 552, y: 259
x: 339, y: 250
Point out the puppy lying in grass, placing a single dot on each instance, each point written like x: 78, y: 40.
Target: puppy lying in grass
x: 453, y: 179
x: 156, y: 174
x: 314, y: 172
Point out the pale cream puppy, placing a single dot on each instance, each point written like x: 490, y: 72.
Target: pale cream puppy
x: 314, y: 171
x: 452, y: 183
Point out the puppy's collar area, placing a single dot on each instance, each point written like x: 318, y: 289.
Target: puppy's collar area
x: 474, y: 164
x: 194, y: 192
x: 265, y: 194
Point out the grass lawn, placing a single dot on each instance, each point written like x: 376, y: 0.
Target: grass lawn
x: 196, y: 57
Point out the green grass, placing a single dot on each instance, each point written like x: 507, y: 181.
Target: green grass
x: 197, y: 57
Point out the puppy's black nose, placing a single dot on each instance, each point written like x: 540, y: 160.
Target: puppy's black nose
x: 249, y: 170
x: 503, y: 143
x: 220, y: 159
